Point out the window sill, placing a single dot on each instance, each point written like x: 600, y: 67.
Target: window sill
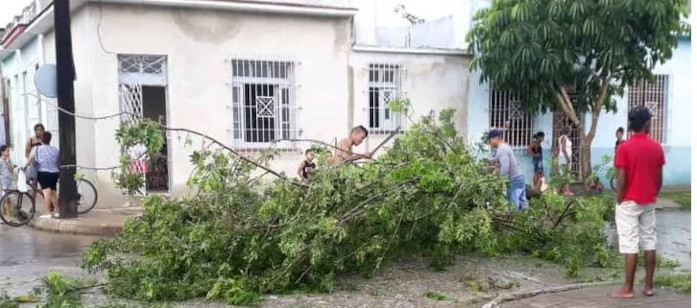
x: 384, y: 131
x: 255, y: 150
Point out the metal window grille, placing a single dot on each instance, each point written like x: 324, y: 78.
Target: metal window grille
x: 386, y: 82
x: 263, y: 103
x: 135, y: 71
x: 143, y: 69
x: 653, y: 95
x: 506, y: 113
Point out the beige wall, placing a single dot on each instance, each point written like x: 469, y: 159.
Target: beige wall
x: 433, y: 82
x: 199, y: 45
x: 85, y: 132
x: 332, y: 80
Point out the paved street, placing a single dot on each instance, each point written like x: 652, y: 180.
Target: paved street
x: 26, y: 255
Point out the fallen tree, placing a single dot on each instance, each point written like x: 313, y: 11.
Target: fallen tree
x: 236, y: 239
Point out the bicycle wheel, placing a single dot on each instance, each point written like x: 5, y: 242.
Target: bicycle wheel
x: 612, y: 183
x: 18, y: 208
x: 36, y: 193
x: 87, y: 196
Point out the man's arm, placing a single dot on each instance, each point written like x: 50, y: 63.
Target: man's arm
x: 620, y: 181
x: 660, y: 180
x: 344, y: 152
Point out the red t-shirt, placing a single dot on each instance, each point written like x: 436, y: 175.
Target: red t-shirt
x: 643, y: 160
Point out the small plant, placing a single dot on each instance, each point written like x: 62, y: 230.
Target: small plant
x: 7, y: 302
x: 62, y: 292
x: 684, y: 198
x: 679, y: 282
x: 435, y: 296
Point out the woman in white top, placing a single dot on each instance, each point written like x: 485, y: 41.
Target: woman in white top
x: 47, y: 157
x: 564, y: 157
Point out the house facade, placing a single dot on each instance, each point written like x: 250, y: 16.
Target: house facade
x: 252, y: 74
x: 255, y: 74
x: 666, y: 96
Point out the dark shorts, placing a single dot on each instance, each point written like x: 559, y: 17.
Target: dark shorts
x: 48, y: 180
x: 537, y: 165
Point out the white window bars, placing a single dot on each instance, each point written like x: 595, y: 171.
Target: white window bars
x: 653, y: 95
x: 386, y: 82
x: 506, y: 113
x: 263, y: 103
x: 143, y: 69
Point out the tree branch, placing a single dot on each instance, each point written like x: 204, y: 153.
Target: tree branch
x: 186, y: 130
x: 566, y: 106
x: 597, y: 107
x: 231, y: 150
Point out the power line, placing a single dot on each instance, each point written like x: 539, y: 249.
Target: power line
x: 99, y: 30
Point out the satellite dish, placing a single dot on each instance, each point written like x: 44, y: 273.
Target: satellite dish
x: 45, y: 81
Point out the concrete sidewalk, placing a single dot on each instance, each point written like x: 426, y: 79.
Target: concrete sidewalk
x: 597, y: 297
x: 100, y: 222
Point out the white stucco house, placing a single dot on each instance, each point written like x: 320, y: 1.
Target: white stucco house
x: 248, y: 73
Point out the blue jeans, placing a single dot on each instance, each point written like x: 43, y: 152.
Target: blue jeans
x: 516, y: 193
x: 537, y: 165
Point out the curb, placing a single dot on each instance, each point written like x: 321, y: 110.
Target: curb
x: 496, y: 302
x: 78, y: 225
x: 99, y: 223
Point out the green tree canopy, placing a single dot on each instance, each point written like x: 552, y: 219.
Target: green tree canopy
x: 541, y: 50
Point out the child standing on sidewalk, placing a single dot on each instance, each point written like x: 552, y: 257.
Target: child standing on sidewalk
x: 6, y: 175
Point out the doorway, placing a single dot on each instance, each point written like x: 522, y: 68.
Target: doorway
x: 155, y: 109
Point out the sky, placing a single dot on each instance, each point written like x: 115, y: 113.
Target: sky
x: 10, y: 8
x: 427, y: 9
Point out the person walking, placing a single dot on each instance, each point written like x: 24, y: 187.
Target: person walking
x: 504, y: 157
x: 47, y: 158
x: 535, y: 151
x: 639, y: 165
x: 564, y: 158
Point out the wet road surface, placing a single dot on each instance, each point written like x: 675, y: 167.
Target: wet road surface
x: 674, y: 236
x: 26, y: 255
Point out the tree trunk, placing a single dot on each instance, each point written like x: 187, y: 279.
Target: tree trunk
x: 585, y: 148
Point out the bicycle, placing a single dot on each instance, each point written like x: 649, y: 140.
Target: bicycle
x: 17, y: 208
x: 86, y: 192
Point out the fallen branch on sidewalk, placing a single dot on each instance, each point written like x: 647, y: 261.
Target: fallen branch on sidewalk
x: 496, y: 302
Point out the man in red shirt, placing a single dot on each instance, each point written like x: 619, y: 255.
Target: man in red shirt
x: 639, y: 165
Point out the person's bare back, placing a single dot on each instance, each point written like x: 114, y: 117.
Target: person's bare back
x: 344, y: 149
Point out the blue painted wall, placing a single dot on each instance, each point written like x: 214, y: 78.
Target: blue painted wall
x: 678, y: 140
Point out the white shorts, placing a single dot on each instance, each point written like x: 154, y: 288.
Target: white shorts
x: 636, y: 227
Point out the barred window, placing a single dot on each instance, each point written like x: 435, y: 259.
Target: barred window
x: 142, y: 69
x: 506, y: 113
x: 386, y: 83
x: 653, y: 95
x: 263, y: 102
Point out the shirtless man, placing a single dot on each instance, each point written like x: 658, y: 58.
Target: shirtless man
x: 344, y: 150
